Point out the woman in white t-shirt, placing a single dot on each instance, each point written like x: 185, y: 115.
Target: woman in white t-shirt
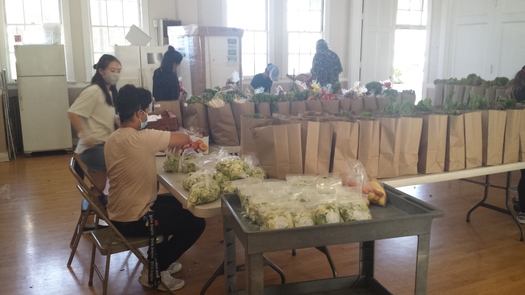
x: 93, y: 117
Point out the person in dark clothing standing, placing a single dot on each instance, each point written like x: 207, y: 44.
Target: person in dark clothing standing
x: 516, y: 90
x: 266, y: 79
x: 326, y: 65
x: 165, y: 81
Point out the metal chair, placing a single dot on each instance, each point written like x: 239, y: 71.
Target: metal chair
x: 79, y: 173
x: 109, y: 240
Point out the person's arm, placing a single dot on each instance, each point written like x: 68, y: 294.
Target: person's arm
x: 178, y: 139
x: 79, y: 128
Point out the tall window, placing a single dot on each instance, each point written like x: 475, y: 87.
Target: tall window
x: 241, y: 14
x: 305, y: 27
x: 31, y: 22
x: 110, y: 22
x: 409, y: 50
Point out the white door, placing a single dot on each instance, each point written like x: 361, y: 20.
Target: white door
x: 129, y: 57
x: 377, y: 51
x: 150, y: 59
x: 43, y: 113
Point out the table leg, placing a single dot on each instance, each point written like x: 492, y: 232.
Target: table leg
x: 423, y: 249
x: 366, y: 259
x: 254, y: 274
x: 507, y: 202
x: 485, y: 196
x: 230, y: 263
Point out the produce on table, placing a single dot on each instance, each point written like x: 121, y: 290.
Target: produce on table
x: 377, y: 194
x: 171, y: 164
x: 192, y: 178
x: 222, y: 180
x: 233, y: 167
x: 204, y: 191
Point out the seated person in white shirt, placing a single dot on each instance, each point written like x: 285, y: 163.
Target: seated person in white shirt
x: 130, y: 160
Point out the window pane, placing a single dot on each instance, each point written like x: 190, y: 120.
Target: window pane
x: 33, y: 12
x: 98, y: 13
x: 248, y: 42
x: 131, y: 14
x: 116, y: 37
x: 260, y: 42
x: 99, y: 38
x: 293, y: 43
x: 402, y: 17
x: 416, y: 5
x: 51, y: 11
x: 415, y: 18
x: 115, y: 13
x: 316, y: 5
x: 403, y: 4
x: 239, y: 14
x: 293, y: 64
x: 260, y: 63
x: 14, y: 11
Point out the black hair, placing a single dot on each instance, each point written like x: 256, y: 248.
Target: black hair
x: 103, y: 63
x: 131, y: 99
x: 171, y: 57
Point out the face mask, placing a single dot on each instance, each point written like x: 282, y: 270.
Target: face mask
x: 143, y: 124
x: 111, y: 78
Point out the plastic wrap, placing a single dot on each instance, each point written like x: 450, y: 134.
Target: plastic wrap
x: 188, y: 161
x: 204, y: 191
x: 172, y: 162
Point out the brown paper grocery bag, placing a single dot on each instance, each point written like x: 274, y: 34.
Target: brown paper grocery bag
x: 297, y: 107
x: 264, y: 109
x: 239, y: 109
x: 455, y: 152
x: 169, y: 105
x: 399, y: 146
x: 222, y: 126
x: 408, y: 97
x: 368, y: 149
x: 382, y: 102
x: 493, y: 122
x: 522, y: 136
x: 318, y: 148
x: 433, y: 144
x: 473, y: 140
x: 356, y: 106
x: 466, y: 93
x: 344, y: 104
x: 459, y: 92
x: 500, y: 91
x: 369, y: 103
x: 330, y: 106
x: 314, y: 105
x: 449, y: 88
x: 279, y: 149
x: 283, y: 107
x: 491, y: 93
x: 512, y: 136
x: 439, y: 91
x: 195, y: 115
x: 346, y: 143
x: 248, y: 122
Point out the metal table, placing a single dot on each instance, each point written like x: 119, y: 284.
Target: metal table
x: 403, y: 216
x: 465, y: 175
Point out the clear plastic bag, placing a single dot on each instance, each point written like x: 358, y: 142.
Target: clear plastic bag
x: 204, y: 191
x: 355, y: 176
x: 172, y: 162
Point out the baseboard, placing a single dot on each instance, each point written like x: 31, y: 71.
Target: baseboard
x: 4, y: 157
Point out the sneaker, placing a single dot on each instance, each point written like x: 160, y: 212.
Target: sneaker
x: 516, y: 204
x: 174, y: 268
x: 521, y: 218
x: 172, y: 283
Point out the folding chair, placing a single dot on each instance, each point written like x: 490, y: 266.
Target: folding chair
x: 110, y: 241
x: 79, y: 173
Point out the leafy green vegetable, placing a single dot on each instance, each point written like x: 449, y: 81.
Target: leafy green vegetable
x: 424, y: 105
x: 506, y: 103
x: 478, y: 102
x: 399, y: 108
x: 336, y: 87
x: 374, y: 88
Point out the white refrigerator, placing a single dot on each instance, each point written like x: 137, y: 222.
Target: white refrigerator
x: 138, y: 64
x: 211, y: 55
x: 43, y: 98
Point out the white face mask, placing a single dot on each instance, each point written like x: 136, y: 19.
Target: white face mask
x: 111, y: 78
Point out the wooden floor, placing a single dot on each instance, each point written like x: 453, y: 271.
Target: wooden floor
x: 39, y: 206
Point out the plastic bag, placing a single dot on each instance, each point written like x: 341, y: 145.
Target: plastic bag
x: 204, y: 191
x: 172, y: 162
x: 355, y: 176
x: 189, y: 160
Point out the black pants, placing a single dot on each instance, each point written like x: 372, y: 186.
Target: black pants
x: 521, y: 191
x: 172, y: 220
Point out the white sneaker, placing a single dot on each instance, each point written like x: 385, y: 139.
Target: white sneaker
x: 172, y: 283
x: 174, y: 268
x: 521, y: 218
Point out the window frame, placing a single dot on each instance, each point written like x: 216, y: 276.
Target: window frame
x: 66, y: 37
x: 277, y: 42
x: 87, y: 29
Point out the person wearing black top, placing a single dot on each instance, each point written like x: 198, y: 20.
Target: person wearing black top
x: 516, y: 90
x: 165, y: 80
x: 266, y: 79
